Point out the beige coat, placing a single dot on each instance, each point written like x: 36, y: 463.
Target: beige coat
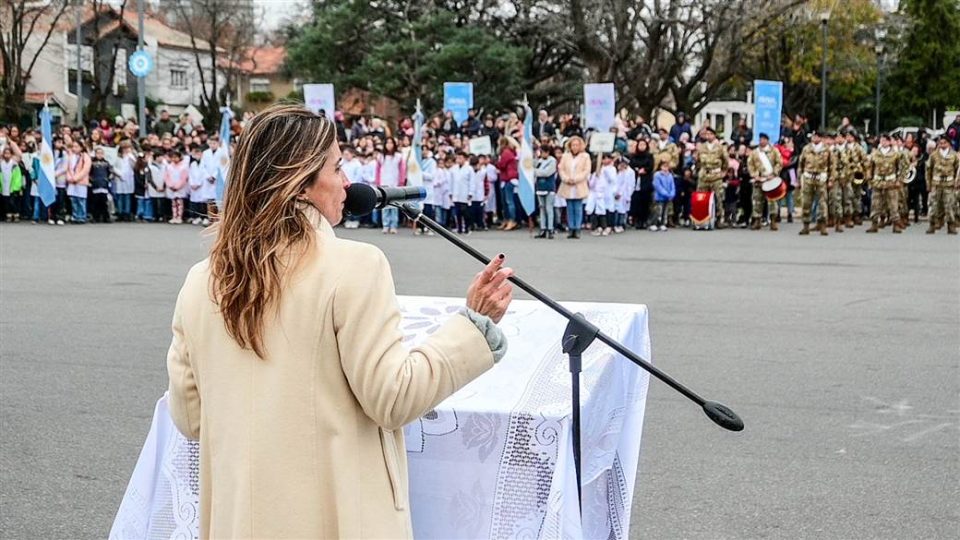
x: 574, y: 176
x: 308, y: 443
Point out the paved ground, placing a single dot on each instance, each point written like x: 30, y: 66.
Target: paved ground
x: 840, y: 353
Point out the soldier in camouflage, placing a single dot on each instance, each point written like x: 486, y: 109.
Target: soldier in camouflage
x: 815, y: 170
x: 835, y: 185
x: 886, y: 170
x: 764, y: 164
x: 943, y: 180
x: 851, y: 167
x: 711, y: 166
x: 908, y: 166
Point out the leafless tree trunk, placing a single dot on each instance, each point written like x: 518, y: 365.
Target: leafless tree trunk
x: 226, y: 30
x: 19, y: 21
x: 103, y: 68
x: 674, y: 54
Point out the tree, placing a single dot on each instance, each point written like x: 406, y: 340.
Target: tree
x: 925, y: 76
x: 795, y: 57
x: 104, y: 58
x: 25, y: 30
x: 220, y: 31
x: 406, y: 51
x: 663, y: 51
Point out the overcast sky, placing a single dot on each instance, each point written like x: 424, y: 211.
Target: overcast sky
x: 275, y: 11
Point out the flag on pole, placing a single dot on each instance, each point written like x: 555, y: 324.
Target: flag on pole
x: 415, y: 158
x: 527, y: 179
x: 224, y: 158
x: 47, y: 181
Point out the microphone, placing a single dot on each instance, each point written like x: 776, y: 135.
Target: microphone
x: 363, y: 198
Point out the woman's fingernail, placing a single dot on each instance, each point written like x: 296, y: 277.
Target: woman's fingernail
x: 501, y: 256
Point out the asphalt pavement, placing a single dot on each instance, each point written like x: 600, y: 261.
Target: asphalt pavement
x: 840, y: 353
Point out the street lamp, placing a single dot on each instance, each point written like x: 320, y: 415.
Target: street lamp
x: 824, y: 19
x: 880, y: 33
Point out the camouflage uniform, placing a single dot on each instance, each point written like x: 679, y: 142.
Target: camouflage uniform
x: 815, y: 170
x: 669, y: 152
x: 852, y: 161
x: 904, y: 198
x: 835, y: 187
x: 886, y: 173
x: 711, y: 166
x: 759, y: 172
x: 942, y: 180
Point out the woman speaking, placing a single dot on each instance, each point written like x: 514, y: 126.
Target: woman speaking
x: 287, y: 362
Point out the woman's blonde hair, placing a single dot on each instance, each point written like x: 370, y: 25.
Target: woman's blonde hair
x: 280, y: 153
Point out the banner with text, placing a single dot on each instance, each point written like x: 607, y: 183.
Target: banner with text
x: 458, y: 98
x: 767, y: 108
x: 319, y: 97
x: 600, y: 102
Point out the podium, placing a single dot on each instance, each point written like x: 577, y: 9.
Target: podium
x: 493, y: 460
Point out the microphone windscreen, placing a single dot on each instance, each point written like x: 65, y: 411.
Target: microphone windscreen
x: 361, y: 199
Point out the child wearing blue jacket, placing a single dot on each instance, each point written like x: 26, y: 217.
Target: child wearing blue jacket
x: 664, y: 191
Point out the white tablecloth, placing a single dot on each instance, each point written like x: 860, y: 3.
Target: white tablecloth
x: 494, y: 460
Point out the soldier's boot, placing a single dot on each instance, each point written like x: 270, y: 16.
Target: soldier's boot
x: 774, y: 224
x: 951, y: 228
x: 932, y: 228
x: 830, y: 222
x: 873, y: 227
x: 805, y: 230
x: 755, y: 224
x: 849, y: 221
x: 839, y: 227
x: 898, y: 227
x: 822, y: 227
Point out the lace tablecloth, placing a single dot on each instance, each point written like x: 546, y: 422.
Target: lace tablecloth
x: 494, y: 460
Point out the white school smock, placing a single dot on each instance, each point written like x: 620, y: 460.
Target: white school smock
x: 123, y: 182
x: 609, y: 173
x: 75, y: 190
x: 628, y: 180
x: 198, y: 177
x: 461, y: 183
x: 429, y: 171
x: 478, y: 187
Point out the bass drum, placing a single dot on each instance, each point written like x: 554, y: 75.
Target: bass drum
x: 702, y: 210
x: 774, y: 189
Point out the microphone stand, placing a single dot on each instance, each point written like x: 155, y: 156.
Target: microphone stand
x: 577, y: 337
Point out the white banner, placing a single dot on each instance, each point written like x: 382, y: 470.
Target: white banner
x: 480, y: 146
x: 600, y: 102
x: 319, y: 97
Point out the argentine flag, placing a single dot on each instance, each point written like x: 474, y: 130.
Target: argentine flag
x: 415, y: 157
x: 527, y: 181
x: 224, y: 153
x: 47, y: 181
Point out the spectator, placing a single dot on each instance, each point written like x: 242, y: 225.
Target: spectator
x: 546, y: 190
x: 471, y: 126
x: 509, y: 180
x: 742, y: 135
x: 682, y: 126
x: 665, y: 191
x: 164, y: 124
x: 543, y: 127
x: 78, y: 180
x: 359, y: 128
x: 953, y: 133
x: 101, y: 172
x: 574, y: 171
x: 642, y: 163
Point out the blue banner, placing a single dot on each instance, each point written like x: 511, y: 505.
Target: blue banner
x: 767, y: 109
x: 458, y: 97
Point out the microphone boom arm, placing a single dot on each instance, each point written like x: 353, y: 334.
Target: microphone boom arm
x: 720, y: 414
